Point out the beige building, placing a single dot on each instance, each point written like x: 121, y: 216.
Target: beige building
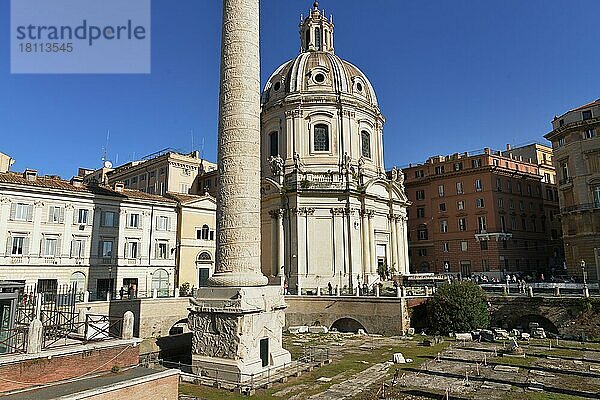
x: 6, y: 162
x: 158, y: 173
x: 195, y: 238
x: 575, y: 138
x: 329, y: 214
x: 103, y: 238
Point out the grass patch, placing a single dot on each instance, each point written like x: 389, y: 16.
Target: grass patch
x: 514, y: 361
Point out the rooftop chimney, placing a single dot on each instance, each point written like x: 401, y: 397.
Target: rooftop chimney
x: 30, y: 174
x: 77, y: 181
x: 507, y: 146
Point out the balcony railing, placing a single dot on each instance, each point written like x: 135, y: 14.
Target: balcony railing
x: 565, y: 181
x: 581, y: 207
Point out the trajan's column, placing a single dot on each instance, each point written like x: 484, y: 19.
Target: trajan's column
x: 237, y: 321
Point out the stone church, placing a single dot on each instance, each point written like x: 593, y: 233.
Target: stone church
x: 329, y: 213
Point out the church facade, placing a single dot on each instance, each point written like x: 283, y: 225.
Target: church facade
x: 329, y: 213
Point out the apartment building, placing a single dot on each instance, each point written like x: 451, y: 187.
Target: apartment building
x: 196, y: 238
x: 103, y: 238
x: 162, y: 172
x: 478, y: 213
x: 575, y: 138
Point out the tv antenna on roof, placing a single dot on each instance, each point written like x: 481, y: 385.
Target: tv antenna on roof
x: 105, y: 162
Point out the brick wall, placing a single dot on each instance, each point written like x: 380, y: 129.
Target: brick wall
x: 158, y: 389
x: 45, y: 370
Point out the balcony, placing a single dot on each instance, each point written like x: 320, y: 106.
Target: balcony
x: 581, y: 207
x: 565, y: 181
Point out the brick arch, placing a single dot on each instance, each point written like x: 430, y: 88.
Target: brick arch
x: 348, y: 324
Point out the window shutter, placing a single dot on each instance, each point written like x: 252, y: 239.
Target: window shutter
x: 26, y: 246
x: 58, y: 251
x: 8, y: 245
x: 75, y: 216
x: 116, y: 217
x: 42, y: 248
x: 156, y: 250
x: 13, y: 211
x: 62, y: 215
x: 140, y: 219
x: 50, y: 212
x: 126, y: 249
x: 156, y: 223
x: 100, y: 248
x: 90, y: 217
x: 83, y: 248
x: 169, y: 223
x: 72, y: 248
x: 102, y: 218
x: 30, y: 212
x: 139, y: 253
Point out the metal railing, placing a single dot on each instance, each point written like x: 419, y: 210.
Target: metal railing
x: 312, y: 357
x: 581, y: 207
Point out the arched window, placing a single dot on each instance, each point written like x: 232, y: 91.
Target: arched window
x: 160, y: 282
x: 321, y: 138
x: 273, y: 143
x: 205, y: 232
x: 318, y: 38
x: 326, y: 37
x: 204, y: 257
x: 307, y: 38
x: 365, y: 140
x: 78, y: 278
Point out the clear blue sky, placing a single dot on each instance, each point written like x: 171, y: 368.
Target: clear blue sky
x: 450, y: 76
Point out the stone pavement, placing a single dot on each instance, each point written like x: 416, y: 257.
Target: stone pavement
x: 355, y: 384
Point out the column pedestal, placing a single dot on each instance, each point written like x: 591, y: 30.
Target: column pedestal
x: 237, y: 332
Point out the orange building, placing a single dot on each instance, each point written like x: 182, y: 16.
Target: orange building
x: 480, y: 213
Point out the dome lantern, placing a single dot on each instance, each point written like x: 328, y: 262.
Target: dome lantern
x: 316, y: 31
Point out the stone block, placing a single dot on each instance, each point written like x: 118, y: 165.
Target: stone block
x: 464, y: 336
x: 318, y: 329
x: 398, y: 358
x: 298, y: 329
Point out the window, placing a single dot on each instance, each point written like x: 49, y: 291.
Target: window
x: 509, y: 186
x: 459, y: 188
x: 439, y: 169
x: 444, y: 226
x: 184, y: 188
x: 442, y: 207
x: 109, y: 218
x: 50, y: 246
x: 82, y: 216
x: 161, y: 250
x: 496, y: 162
x: 564, y: 167
x: 273, y: 143
x: 133, y: 249
x: 503, y: 223
x: 547, y: 178
x: 21, y: 212
x: 523, y: 224
x: 478, y: 186
x: 587, y: 114
x: 318, y: 38
x: 133, y: 221
x: 590, y: 133
x: 521, y: 205
x: 483, y: 244
x: 500, y: 203
x: 19, y: 246
x: 126, y: 183
x: 441, y: 190
x: 561, y: 122
x: 533, y: 224
x: 458, y: 166
x: 485, y: 265
x: 420, y: 195
x: 106, y: 248
x: 307, y: 38
x: 529, y: 192
x: 461, y: 205
x: 78, y: 248
x: 56, y: 214
x: 596, y: 194
x: 445, y: 247
x: 561, y: 142
x: 422, y: 234
x: 499, y: 184
x: 321, y: 138
x: 203, y: 233
x: 479, y: 203
x: 420, y: 212
x: 462, y: 224
x: 511, y: 204
x: 162, y: 171
x: 134, y: 180
x: 142, y: 178
x: 419, y: 173
x: 365, y: 140
x: 476, y: 163
x: 422, y: 252
x: 481, y: 223
x: 513, y: 223
x: 464, y: 246
x: 519, y: 188
x: 162, y: 223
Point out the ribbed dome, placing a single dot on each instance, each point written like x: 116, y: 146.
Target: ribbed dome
x: 315, y: 72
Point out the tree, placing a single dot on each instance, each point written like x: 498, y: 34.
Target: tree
x: 458, y: 307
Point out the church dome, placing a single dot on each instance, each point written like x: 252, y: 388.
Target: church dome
x: 317, y: 70
x: 314, y: 72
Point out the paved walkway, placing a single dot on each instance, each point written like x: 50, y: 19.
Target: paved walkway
x: 355, y: 384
